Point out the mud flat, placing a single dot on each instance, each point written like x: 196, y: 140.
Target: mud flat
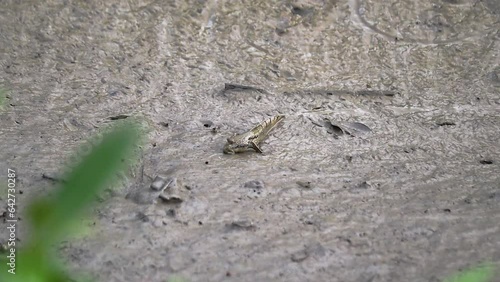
x: 386, y: 167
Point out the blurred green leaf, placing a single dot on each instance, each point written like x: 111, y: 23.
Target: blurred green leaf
x: 39, y: 212
x: 3, y: 97
x: 176, y: 278
x: 483, y: 273
x: 83, y: 183
x: 52, y: 217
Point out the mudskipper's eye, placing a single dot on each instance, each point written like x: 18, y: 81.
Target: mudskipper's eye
x: 230, y: 141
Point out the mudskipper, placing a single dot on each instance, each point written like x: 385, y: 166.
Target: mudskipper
x: 250, y: 140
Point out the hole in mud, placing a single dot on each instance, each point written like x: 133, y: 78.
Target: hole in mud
x: 207, y: 123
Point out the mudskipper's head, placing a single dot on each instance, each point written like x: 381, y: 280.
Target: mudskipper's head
x: 234, y: 145
x: 230, y: 147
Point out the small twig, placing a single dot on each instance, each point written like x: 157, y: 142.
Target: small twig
x: 53, y: 178
x: 239, y: 87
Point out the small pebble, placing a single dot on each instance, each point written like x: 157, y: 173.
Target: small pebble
x: 171, y: 199
x: 241, y: 225
x: 305, y: 184
x: 299, y: 256
x: 158, y: 222
x: 254, y: 184
x: 159, y: 183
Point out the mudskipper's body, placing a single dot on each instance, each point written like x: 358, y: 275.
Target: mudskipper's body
x: 250, y: 140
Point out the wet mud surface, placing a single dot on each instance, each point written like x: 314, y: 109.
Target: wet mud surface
x: 386, y: 167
